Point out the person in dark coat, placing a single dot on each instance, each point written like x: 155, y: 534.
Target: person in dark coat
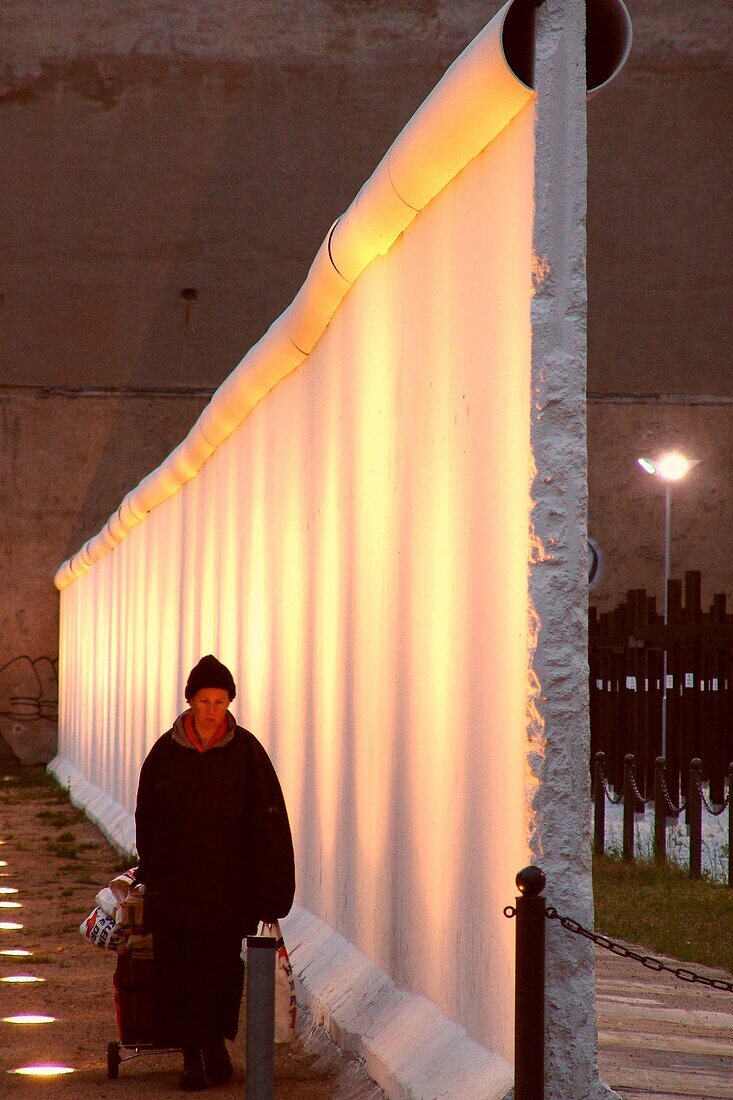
x: 216, y: 857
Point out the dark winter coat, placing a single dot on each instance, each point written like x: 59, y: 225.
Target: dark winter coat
x: 212, y: 834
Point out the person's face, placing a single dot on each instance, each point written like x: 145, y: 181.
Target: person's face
x: 208, y: 707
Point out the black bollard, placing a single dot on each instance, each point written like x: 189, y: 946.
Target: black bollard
x: 529, y: 1002
x: 599, y: 803
x: 694, y: 810
x: 260, y: 1030
x: 730, y: 825
x: 660, y: 813
x: 629, y: 806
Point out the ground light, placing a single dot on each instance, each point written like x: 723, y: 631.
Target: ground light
x: 10, y: 926
x: 11, y: 905
x: 8, y: 890
x: 41, y: 1071
x: 16, y: 952
x: 3, y: 863
x: 21, y: 979
x: 28, y: 1018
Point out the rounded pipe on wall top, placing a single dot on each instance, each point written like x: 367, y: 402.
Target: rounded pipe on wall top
x: 608, y: 36
x: 518, y: 39
x: 607, y: 41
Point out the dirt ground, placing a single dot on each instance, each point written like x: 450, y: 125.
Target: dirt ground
x: 57, y: 861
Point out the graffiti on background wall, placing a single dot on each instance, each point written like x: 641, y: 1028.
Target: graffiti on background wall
x: 29, y: 703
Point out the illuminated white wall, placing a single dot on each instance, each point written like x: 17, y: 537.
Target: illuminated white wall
x: 347, y: 527
x: 357, y: 552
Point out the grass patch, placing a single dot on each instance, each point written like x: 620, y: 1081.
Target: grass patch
x: 79, y: 874
x: 32, y: 782
x: 663, y: 909
x: 63, y: 849
x: 59, y: 818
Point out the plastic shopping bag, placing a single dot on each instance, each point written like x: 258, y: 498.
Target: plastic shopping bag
x: 116, y: 923
x: 101, y: 931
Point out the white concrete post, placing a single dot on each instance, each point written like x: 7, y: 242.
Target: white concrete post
x: 560, y: 804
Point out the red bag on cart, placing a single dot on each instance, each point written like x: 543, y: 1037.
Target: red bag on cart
x: 134, y: 1005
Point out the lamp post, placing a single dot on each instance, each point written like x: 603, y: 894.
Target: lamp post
x: 670, y: 468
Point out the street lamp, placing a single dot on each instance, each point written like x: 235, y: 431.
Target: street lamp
x: 670, y: 468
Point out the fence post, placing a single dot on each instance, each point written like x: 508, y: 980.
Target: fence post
x: 529, y: 999
x: 694, y: 803
x: 730, y: 825
x: 599, y: 804
x: 660, y: 813
x: 260, y: 1028
x: 629, y: 806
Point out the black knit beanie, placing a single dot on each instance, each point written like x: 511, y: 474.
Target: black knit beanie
x: 210, y: 673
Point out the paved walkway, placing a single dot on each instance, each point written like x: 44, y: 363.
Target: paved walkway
x: 661, y: 1038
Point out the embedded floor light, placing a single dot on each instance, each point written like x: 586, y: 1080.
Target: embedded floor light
x: 3, y: 863
x: 21, y: 979
x: 16, y: 953
x: 27, y: 1018
x: 670, y: 467
x: 11, y: 905
x: 10, y: 926
x: 8, y: 890
x: 42, y: 1071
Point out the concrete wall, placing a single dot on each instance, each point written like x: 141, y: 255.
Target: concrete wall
x: 365, y: 524
x: 67, y: 460
x: 557, y: 713
x: 659, y: 237
x: 150, y: 150
x: 153, y: 149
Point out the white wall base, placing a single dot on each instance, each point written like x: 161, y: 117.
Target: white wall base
x: 408, y: 1047
x: 117, y: 824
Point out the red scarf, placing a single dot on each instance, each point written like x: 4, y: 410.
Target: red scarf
x: 192, y: 735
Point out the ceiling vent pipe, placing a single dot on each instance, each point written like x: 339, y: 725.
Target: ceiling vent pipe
x: 607, y: 41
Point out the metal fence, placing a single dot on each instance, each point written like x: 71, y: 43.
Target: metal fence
x: 627, y: 686
x: 633, y: 800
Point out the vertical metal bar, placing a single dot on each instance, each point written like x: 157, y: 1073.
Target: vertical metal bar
x: 629, y: 798
x: 730, y: 824
x: 599, y: 804
x: 694, y: 804
x: 529, y: 1003
x: 260, y: 1030
x: 660, y: 813
x: 667, y: 567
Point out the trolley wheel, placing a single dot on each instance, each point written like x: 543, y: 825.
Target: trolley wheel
x: 113, y: 1060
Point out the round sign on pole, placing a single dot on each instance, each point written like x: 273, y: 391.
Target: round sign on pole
x: 595, y: 563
